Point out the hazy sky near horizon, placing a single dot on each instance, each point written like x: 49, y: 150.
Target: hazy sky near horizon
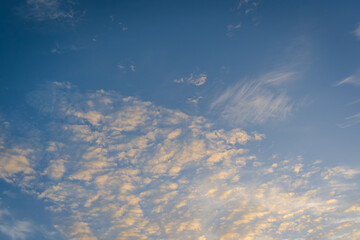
x: 234, y: 119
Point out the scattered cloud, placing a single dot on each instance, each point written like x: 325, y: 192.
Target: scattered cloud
x: 43, y: 10
x: 121, y: 24
x: 242, y: 9
x: 122, y: 168
x: 247, y: 5
x: 256, y: 101
x: 194, y: 79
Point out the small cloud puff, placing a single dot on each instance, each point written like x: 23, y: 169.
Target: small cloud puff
x: 123, y: 67
x: 196, y: 80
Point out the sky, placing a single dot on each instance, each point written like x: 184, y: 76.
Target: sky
x: 205, y: 120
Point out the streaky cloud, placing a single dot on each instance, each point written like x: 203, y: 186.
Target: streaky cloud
x: 350, y: 121
x: 352, y: 80
x: 255, y: 101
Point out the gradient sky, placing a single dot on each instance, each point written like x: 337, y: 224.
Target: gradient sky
x: 205, y: 120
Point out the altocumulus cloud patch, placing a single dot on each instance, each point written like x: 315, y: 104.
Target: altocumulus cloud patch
x: 114, y: 167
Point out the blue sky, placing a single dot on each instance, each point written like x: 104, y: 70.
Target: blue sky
x: 179, y: 119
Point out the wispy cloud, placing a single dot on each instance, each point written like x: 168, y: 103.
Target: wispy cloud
x: 61, y: 49
x: 124, y: 68
x: 353, y: 80
x: 13, y: 228
x: 122, y: 168
x: 195, y: 79
x: 231, y: 27
x: 247, y: 5
x: 43, y: 10
x: 350, y: 121
x: 194, y: 100
x: 357, y: 31
x: 255, y: 101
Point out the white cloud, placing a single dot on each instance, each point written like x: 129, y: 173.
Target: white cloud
x: 14, y: 161
x: 196, y: 80
x: 148, y: 172
x: 132, y: 68
x: 180, y: 80
x: 194, y: 100
x: 353, y: 80
x: 17, y: 230
x: 231, y: 27
x: 56, y: 169
x: 255, y: 101
x: 14, y: 228
x: 350, y: 121
x: 124, y: 68
x: 247, y: 5
x: 42, y: 10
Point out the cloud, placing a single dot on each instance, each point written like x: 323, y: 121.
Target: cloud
x: 231, y: 27
x: 357, y: 31
x: 14, y: 161
x: 350, y: 121
x: 247, y: 5
x: 58, y: 49
x: 124, y: 68
x: 255, y: 101
x: 141, y: 171
x: 13, y: 228
x: 196, y: 80
x: 44, y: 10
x: 18, y: 230
x: 194, y: 100
x: 353, y: 80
